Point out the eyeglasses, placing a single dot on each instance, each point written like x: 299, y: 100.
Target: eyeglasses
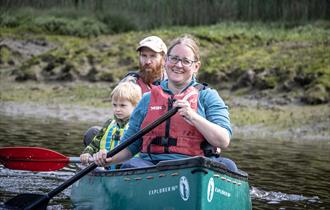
x: 184, y: 61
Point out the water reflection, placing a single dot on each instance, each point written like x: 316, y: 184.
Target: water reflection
x: 62, y: 136
x: 15, y: 182
x: 283, y: 174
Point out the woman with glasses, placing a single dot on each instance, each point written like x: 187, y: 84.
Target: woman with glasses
x: 200, y: 127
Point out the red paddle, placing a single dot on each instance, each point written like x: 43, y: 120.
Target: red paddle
x: 34, y: 159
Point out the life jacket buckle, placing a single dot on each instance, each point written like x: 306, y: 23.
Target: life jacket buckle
x: 164, y: 141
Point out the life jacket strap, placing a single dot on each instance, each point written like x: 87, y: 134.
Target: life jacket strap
x: 163, y: 141
x: 116, y: 135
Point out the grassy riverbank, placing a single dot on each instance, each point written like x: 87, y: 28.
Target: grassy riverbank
x: 244, y: 58
x: 275, y: 79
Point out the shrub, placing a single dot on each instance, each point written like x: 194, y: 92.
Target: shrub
x: 84, y: 27
x: 8, y: 21
x: 117, y: 23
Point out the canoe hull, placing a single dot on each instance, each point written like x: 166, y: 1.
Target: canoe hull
x: 189, y: 184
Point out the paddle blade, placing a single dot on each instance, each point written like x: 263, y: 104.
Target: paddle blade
x: 23, y: 201
x: 32, y: 159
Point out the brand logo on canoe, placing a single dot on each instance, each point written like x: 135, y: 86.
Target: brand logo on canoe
x: 184, y: 188
x: 162, y: 190
x: 210, y: 189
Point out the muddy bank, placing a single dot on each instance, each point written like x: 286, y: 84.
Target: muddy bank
x: 251, y: 117
x: 275, y: 118
x: 313, y: 131
x: 55, y: 111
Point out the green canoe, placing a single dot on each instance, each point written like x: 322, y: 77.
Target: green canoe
x: 195, y: 184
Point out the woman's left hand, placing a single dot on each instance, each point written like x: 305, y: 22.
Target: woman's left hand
x: 185, y: 110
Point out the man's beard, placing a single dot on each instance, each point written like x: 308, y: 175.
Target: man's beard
x: 152, y: 74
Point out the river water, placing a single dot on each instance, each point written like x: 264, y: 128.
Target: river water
x: 283, y: 174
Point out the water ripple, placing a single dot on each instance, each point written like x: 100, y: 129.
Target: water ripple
x: 277, y: 197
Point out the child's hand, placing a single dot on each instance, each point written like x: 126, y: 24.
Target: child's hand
x: 85, y: 158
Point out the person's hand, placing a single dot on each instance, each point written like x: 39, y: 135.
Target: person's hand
x: 100, y: 158
x: 85, y: 158
x: 185, y: 110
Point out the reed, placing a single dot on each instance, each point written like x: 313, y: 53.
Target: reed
x: 144, y: 14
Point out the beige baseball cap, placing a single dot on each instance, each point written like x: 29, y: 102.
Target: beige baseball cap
x: 154, y: 43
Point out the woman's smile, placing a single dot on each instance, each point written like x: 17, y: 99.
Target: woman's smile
x: 178, y: 71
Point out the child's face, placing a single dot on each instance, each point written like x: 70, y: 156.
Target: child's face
x: 122, y: 108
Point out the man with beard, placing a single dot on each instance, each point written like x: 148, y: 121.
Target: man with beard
x: 152, y: 51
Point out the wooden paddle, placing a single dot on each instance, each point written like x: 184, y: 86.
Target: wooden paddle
x: 34, y: 159
x: 40, y: 201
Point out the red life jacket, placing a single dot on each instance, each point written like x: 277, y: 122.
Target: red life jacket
x: 144, y: 87
x: 175, y: 135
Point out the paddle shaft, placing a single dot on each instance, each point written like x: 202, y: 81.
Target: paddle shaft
x: 70, y: 160
x: 74, y: 160
x: 113, y: 152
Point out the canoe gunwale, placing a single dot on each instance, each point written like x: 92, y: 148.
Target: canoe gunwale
x: 194, y: 162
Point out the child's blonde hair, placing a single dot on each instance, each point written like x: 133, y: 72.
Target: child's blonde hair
x: 127, y: 90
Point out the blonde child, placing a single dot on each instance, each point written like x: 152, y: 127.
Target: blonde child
x: 124, y: 98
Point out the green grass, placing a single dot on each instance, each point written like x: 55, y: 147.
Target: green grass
x: 81, y: 93
x: 283, y: 59
x: 280, y: 117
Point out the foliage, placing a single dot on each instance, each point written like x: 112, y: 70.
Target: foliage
x: 126, y: 15
x: 194, y: 12
x: 241, y: 57
x: 117, y: 22
x: 84, y: 27
x: 8, y: 20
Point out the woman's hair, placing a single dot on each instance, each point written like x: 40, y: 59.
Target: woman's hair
x: 127, y: 90
x: 189, y: 41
